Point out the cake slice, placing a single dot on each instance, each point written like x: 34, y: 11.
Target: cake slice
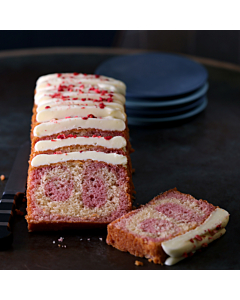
x: 169, y: 228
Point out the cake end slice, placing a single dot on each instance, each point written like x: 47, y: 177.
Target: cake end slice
x: 169, y: 228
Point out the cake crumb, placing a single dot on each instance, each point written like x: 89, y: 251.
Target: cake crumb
x: 150, y: 260
x: 61, y: 239
x: 2, y: 177
x: 59, y: 245
x: 19, y: 212
x: 138, y: 263
x: 53, y: 242
x: 100, y: 239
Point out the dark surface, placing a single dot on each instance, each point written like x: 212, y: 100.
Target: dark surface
x: 155, y: 75
x: 22, y: 39
x: 200, y: 157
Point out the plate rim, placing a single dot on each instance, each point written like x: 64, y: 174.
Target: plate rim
x: 169, y: 119
x: 199, y: 93
x: 173, y: 110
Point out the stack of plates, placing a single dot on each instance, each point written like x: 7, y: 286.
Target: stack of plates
x: 161, y: 87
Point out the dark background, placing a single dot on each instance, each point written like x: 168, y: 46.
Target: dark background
x: 223, y: 45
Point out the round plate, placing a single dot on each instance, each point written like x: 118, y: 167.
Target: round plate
x: 149, y: 121
x: 164, y: 111
x: 133, y: 103
x: 155, y: 74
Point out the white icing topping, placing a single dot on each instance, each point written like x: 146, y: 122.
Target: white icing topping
x: 117, y: 142
x: 52, y: 81
x: 77, y: 77
x: 56, y: 126
x: 58, y: 102
x: 61, y: 112
x: 179, y: 245
x: 173, y: 260
x: 111, y: 158
x: 100, y: 86
x: 42, y: 96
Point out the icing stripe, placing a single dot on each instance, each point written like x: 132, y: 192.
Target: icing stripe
x: 101, y: 81
x: 87, y: 86
x: 61, y: 112
x: 53, y: 127
x: 77, y: 77
x: 177, y: 246
x: 59, y: 102
x: 173, y: 260
x: 47, y: 159
x: 43, y: 96
x: 117, y: 142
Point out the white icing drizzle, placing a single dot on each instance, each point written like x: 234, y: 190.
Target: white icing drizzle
x: 40, y: 97
x: 47, y: 159
x: 51, y: 81
x: 179, y: 245
x: 63, y: 111
x: 117, y: 142
x: 113, y: 105
x: 56, y: 126
x: 101, y: 86
x: 80, y: 77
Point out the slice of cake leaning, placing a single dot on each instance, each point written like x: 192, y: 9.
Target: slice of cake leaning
x: 169, y: 228
x: 80, y: 172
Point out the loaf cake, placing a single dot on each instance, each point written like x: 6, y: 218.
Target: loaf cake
x: 80, y: 172
x: 169, y: 228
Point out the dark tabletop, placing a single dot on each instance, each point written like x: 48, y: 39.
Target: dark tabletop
x: 200, y: 157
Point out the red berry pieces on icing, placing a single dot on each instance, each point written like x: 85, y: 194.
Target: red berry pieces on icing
x: 46, y: 107
x: 61, y: 136
x: 219, y: 226
x: 91, y: 116
x: 185, y: 254
x: 75, y: 73
x: 83, y: 99
x: 191, y: 240
x: 204, y: 245
x: 102, y: 105
x: 108, y: 137
x: 83, y: 107
x: 59, y: 75
x: 94, y: 135
x: 97, y: 76
x: 198, y: 237
x: 84, y: 118
x: 53, y: 140
x: 109, y: 100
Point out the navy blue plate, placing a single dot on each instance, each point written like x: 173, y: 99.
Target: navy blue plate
x: 149, y: 121
x: 155, y: 74
x: 164, y: 111
x: 146, y: 103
